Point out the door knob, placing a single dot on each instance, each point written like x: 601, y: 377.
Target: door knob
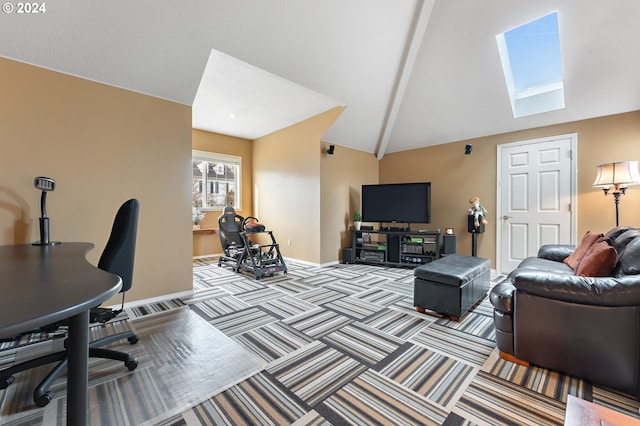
x: 505, y: 217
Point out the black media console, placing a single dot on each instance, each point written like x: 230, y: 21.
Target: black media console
x: 395, y: 247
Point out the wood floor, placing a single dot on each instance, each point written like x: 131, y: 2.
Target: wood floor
x: 320, y: 345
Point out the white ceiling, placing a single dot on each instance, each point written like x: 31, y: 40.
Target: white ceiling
x: 411, y: 73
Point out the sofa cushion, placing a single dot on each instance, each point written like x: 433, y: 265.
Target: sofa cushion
x: 621, y: 241
x: 599, y: 260
x: 573, y: 260
x: 628, y: 259
x: 615, y: 232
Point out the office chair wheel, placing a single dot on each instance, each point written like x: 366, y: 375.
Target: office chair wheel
x: 5, y: 382
x: 43, y: 400
x: 131, y: 365
x: 133, y: 339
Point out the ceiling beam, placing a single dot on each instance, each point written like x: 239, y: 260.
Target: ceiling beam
x: 414, y: 40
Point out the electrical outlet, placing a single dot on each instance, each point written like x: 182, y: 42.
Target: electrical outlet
x: 288, y: 242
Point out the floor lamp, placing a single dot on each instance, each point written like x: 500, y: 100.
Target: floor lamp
x: 620, y: 175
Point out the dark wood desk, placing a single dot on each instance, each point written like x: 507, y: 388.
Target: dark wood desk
x: 44, y: 284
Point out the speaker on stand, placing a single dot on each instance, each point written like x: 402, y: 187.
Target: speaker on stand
x: 448, y: 245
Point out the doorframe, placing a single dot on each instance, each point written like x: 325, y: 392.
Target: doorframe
x: 573, y: 187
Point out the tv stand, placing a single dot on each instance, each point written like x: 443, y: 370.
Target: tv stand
x: 395, y: 247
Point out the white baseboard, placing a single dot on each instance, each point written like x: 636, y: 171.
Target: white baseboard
x: 204, y: 256
x: 182, y: 295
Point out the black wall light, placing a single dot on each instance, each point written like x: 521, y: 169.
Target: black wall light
x: 331, y: 149
x: 467, y: 149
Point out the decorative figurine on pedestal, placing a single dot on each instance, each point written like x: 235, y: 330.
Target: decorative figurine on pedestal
x: 477, y: 211
x: 476, y: 222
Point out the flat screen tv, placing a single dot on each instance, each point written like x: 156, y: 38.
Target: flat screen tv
x: 397, y: 202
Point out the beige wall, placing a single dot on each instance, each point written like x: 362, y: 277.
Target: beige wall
x: 342, y: 175
x: 102, y: 145
x: 286, y: 177
x: 206, y: 244
x: 456, y: 176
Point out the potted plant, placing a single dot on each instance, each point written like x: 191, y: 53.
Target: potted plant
x: 198, y: 215
x: 357, y: 219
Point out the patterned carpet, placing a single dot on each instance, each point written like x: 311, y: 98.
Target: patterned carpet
x: 343, y: 344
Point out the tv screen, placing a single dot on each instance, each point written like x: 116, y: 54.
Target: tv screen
x: 397, y: 202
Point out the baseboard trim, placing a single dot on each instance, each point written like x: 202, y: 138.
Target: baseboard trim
x: 182, y: 295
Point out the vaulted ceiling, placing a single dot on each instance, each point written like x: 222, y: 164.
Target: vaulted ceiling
x: 411, y: 73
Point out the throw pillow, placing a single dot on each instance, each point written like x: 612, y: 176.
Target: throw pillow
x: 573, y: 260
x: 598, y: 261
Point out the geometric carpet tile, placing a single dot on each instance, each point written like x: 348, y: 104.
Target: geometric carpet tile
x: 315, y: 372
x: 318, y: 322
x: 259, y: 400
x: 430, y: 374
x: 491, y: 400
x: 352, y: 307
x: 399, y: 324
x: 374, y: 399
x: 320, y: 295
x: 347, y: 287
x: 546, y: 382
x: 473, y: 323
x: 454, y: 343
x: 292, y: 286
x: 218, y: 306
x: 287, y: 306
x: 403, y: 288
x: 258, y: 296
x: 273, y: 341
x: 241, y: 321
x: 363, y: 343
x: 379, y: 296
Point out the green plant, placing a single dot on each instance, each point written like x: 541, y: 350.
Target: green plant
x: 197, y: 215
x: 357, y: 217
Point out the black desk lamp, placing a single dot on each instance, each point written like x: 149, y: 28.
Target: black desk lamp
x: 45, y: 184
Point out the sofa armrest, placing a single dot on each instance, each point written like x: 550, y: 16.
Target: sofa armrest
x: 601, y: 291
x: 557, y: 252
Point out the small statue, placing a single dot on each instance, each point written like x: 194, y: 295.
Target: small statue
x: 477, y: 210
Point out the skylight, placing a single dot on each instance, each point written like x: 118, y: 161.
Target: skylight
x: 532, y: 66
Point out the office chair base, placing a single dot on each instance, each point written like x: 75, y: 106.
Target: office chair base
x: 43, y: 400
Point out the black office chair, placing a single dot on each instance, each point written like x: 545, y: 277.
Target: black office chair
x: 117, y: 258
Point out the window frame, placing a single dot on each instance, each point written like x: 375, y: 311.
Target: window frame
x: 197, y: 155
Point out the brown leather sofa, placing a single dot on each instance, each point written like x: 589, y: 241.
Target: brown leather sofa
x: 587, y: 327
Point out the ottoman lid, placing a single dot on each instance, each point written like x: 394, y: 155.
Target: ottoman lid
x: 454, y: 269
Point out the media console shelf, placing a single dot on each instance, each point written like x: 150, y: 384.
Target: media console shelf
x: 395, y: 247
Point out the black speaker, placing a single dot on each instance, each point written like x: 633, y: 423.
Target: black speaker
x: 448, y: 244
x: 473, y: 229
x: 393, y: 248
x: 348, y: 255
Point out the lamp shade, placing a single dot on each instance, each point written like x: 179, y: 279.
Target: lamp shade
x: 620, y: 173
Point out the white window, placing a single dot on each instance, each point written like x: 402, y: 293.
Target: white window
x: 215, y: 180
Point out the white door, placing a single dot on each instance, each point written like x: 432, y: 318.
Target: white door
x: 536, y: 197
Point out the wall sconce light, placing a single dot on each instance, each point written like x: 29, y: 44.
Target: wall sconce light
x: 467, y: 149
x: 620, y: 175
x: 331, y: 149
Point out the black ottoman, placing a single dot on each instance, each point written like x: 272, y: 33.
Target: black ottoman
x: 451, y: 285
